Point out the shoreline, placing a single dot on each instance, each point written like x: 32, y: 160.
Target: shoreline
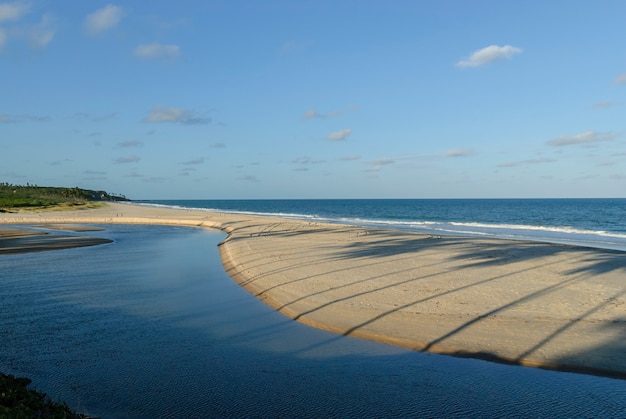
x: 526, y: 303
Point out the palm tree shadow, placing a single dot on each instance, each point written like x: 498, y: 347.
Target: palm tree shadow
x: 472, y: 253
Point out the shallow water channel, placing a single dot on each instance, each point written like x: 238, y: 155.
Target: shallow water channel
x: 151, y: 326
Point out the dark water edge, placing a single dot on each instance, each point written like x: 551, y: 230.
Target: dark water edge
x: 151, y: 326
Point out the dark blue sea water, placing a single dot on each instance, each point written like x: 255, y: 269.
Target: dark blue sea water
x: 588, y: 222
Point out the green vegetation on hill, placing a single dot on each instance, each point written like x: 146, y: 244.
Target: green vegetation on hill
x: 18, y: 401
x: 31, y: 196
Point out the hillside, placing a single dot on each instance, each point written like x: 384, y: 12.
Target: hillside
x: 13, y: 197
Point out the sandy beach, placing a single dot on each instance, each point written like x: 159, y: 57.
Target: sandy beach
x: 534, y: 304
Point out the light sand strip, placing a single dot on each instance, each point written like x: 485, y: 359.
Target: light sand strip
x: 534, y: 304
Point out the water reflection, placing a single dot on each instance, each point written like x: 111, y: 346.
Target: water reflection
x: 151, y: 326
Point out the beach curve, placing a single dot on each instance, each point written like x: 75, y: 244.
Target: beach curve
x: 534, y: 304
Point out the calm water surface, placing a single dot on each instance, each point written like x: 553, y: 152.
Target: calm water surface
x: 151, y: 326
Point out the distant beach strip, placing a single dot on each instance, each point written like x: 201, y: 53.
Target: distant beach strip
x: 520, y: 302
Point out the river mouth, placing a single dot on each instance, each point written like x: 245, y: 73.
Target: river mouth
x: 151, y: 326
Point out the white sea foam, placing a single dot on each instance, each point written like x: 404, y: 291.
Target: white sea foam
x: 542, y: 233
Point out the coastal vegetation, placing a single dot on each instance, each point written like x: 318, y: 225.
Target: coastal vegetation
x: 14, y: 197
x: 18, y: 401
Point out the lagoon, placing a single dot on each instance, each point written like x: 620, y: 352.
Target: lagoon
x: 151, y: 326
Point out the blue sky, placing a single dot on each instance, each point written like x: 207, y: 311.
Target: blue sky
x: 315, y: 99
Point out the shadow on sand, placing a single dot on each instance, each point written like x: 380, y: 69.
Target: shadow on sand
x: 585, y: 267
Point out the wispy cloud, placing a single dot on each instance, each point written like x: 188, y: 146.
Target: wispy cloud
x: 154, y: 179
x: 218, y: 145
x: 604, y: 104
x: 7, y: 119
x: 306, y: 160
x: 14, y: 10
x: 620, y: 79
x: 340, y: 135
x: 312, y: 113
x: 127, y: 159
x: 60, y: 162
x: 158, y: 51
x: 377, y: 165
x: 458, y: 152
x: 176, y: 115
x: 526, y: 162
x: 41, y: 34
x: 38, y: 35
x: 247, y: 178
x: 94, y: 172
x: 292, y: 46
x: 350, y: 158
x: 489, y: 54
x: 193, y: 162
x: 585, y: 138
x: 93, y: 118
x: 130, y: 143
x: 103, y: 19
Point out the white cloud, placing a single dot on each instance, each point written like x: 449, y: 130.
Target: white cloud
x: 488, y: 55
x: 156, y: 50
x: 13, y: 11
x: 41, y: 34
x: 176, y: 115
x: 103, y: 19
x: 584, y: 138
x: 458, y: 152
x: 376, y: 165
x: 312, y: 113
x: 340, y: 135
x: 620, y: 79
x: 37, y: 35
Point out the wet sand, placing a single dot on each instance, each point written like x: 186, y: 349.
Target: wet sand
x: 534, y: 304
x: 23, y: 241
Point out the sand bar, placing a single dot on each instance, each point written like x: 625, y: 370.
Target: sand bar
x: 534, y: 304
x: 24, y: 241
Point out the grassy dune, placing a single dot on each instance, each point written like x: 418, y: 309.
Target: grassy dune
x: 19, y: 197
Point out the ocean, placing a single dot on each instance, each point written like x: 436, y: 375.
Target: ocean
x: 599, y: 223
